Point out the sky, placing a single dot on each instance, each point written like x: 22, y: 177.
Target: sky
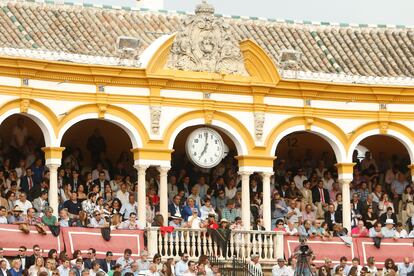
x: 398, y: 12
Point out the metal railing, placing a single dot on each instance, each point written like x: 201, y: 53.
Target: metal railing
x: 221, y: 244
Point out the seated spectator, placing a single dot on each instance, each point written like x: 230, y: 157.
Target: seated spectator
x: 64, y: 268
x: 400, y: 232
x: 132, y: 223
x: 291, y: 230
x: 98, y: 221
x: 293, y: 213
x: 306, y: 229
x: 143, y: 262
x: 332, y: 217
x: 64, y: 220
x: 16, y: 216
x: 371, y: 266
x: 174, y: 207
x: 211, y: 221
x: 73, y: 206
x: 15, y: 269
x: 96, y: 269
x: 175, y: 221
x: 130, y: 207
x: 388, y: 215
x: 188, y: 209
x: 339, y: 230
x: 370, y: 217
x: 360, y: 231
x: 388, y: 230
x: 23, y: 203
x: 220, y: 200
x: 384, y: 204
x: 280, y: 269
x: 40, y: 203
x: 375, y: 231
x: 88, y: 206
x: 230, y: 212
x: 405, y: 267
x: 126, y: 260
x: 280, y: 226
x: 49, y: 219
x: 309, y: 213
x: 206, y: 209
x: 389, y: 267
x: 3, y: 212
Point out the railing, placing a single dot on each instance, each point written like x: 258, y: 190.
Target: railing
x: 197, y: 242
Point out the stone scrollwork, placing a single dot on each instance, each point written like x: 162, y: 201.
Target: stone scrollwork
x: 206, y: 44
x: 155, y: 112
x: 259, y: 119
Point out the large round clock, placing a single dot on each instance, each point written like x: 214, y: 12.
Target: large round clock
x: 205, y: 147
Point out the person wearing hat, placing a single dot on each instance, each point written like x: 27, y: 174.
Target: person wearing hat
x: 388, y: 230
x: 176, y: 221
x: 389, y: 214
x: 280, y: 269
x: 255, y: 267
x: 16, y: 216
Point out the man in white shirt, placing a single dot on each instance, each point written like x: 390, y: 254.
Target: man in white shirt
x: 3, y: 267
x: 130, y: 207
x: 3, y: 212
x: 172, y: 187
x: 143, y: 263
x: 97, y: 221
x: 405, y: 267
x: 23, y: 203
x: 194, y: 221
x: 191, y: 271
x: 299, y: 178
x: 131, y: 224
x: 64, y: 268
x: 4, y: 259
x: 123, y: 194
x: 126, y: 260
x: 182, y: 265
x: 281, y: 269
x: 294, y: 215
x: 255, y: 267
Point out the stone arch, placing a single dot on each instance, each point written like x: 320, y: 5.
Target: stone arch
x: 325, y: 129
x: 401, y: 133
x: 39, y: 113
x: 119, y: 116
x: 225, y: 122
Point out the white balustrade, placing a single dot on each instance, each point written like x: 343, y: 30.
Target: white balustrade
x: 196, y: 242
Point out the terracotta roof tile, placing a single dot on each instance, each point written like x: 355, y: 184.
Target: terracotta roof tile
x: 87, y: 30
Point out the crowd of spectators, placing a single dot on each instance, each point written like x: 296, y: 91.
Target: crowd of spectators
x: 306, y: 197
x: 88, y: 264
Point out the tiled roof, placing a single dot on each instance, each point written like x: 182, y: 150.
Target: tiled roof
x: 362, y: 50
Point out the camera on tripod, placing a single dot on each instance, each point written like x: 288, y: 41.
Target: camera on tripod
x: 304, y: 250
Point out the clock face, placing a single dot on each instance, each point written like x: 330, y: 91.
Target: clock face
x: 205, y: 147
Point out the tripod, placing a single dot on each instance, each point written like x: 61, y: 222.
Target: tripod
x: 302, y: 267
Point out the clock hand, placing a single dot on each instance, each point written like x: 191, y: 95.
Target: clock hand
x: 204, y: 151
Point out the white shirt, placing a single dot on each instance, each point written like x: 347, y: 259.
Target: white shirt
x: 3, y: 220
x: 123, y: 197
x: 95, y: 174
x: 180, y: 268
x: 63, y: 271
x: 25, y: 206
x: 281, y: 271
x: 299, y: 181
x: 7, y: 263
x: 327, y: 183
x: 195, y: 222
x: 128, y: 208
x: 403, y: 270
x: 403, y: 234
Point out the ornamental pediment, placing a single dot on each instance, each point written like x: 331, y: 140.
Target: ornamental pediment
x: 205, y: 44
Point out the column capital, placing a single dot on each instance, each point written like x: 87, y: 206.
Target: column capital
x: 345, y: 168
x: 53, y: 155
x: 245, y: 173
x: 141, y: 168
x: 163, y: 169
x: 267, y: 174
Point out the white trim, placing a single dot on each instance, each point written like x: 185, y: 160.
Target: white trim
x: 346, y: 176
x: 149, y: 162
x: 126, y: 90
x: 8, y: 81
x: 177, y: 94
x: 149, y: 52
x: 253, y: 169
x: 222, y: 97
x: 133, y: 134
x: 62, y: 86
x: 283, y: 101
x: 53, y: 161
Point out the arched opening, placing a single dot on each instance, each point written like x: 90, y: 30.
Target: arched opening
x: 382, y: 169
x: 191, y: 177
x: 305, y: 176
x: 20, y: 152
x: 93, y: 146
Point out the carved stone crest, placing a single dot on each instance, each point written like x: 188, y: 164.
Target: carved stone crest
x: 259, y: 119
x: 155, y: 112
x: 206, y: 44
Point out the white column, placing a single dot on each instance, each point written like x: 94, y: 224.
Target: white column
x: 267, y: 217
x: 346, y: 204
x: 53, y: 188
x: 141, y: 194
x: 164, y: 193
x: 246, y: 199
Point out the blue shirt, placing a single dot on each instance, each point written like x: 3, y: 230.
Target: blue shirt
x: 180, y: 268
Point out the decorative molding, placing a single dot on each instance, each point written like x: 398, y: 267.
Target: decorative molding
x: 308, y: 123
x: 259, y: 120
x: 206, y: 44
x: 383, y: 129
x: 24, y: 105
x: 155, y: 111
x: 208, y: 116
x: 102, y: 108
